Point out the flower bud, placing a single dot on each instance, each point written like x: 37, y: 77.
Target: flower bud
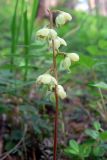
x: 73, y: 56
x: 58, y: 42
x: 62, y: 18
x: 61, y: 92
x: 46, y: 79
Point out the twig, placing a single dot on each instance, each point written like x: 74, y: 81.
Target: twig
x: 17, y: 145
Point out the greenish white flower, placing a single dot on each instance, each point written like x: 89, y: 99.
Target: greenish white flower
x: 70, y: 57
x: 46, y: 79
x: 66, y: 63
x: 46, y: 33
x: 42, y: 33
x: 61, y: 92
x: 62, y: 41
x: 58, y: 42
x: 62, y: 18
x: 52, y: 34
x: 73, y: 57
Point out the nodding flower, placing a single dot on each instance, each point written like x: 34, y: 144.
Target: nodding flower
x: 46, y: 79
x: 58, y: 42
x: 62, y: 18
x: 61, y: 92
x: 69, y: 58
x: 66, y: 63
x: 46, y: 33
x: 73, y: 56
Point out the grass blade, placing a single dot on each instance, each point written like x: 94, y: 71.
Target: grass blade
x: 13, y: 33
x: 33, y: 15
x: 26, y: 42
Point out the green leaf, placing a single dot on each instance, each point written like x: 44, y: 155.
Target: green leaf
x: 101, y: 85
x: 97, y: 125
x: 98, y: 151
x: 87, y: 61
x: 85, y: 150
x: 67, y: 151
x: 103, y: 135
x: 74, y: 147
x: 102, y: 44
x: 92, y: 49
x: 92, y: 133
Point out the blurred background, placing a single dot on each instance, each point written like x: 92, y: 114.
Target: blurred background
x: 90, y: 6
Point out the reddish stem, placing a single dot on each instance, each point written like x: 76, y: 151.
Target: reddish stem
x: 55, y: 127
x: 56, y: 93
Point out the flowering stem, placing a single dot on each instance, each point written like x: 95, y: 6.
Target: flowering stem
x: 55, y: 92
x: 56, y: 99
